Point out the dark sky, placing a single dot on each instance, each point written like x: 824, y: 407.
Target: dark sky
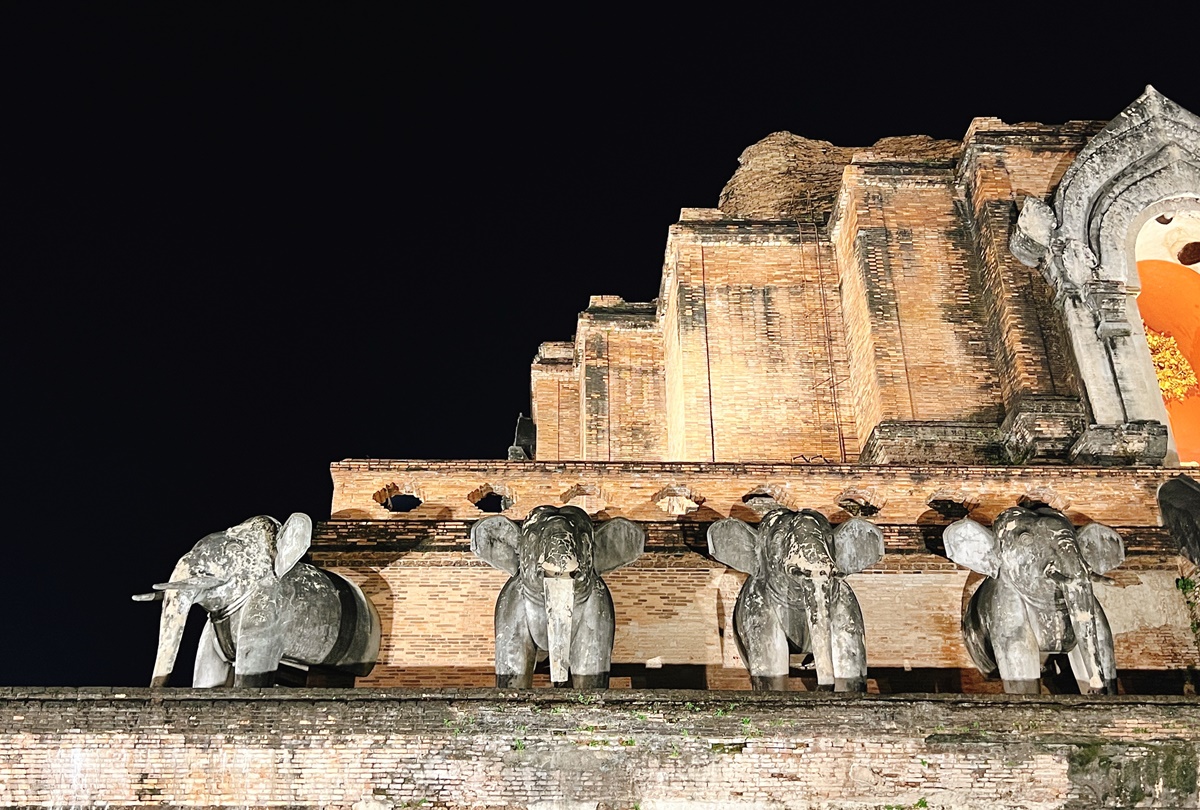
x: 244, y: 241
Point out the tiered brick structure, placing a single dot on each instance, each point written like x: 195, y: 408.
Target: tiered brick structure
x: 853, y: 331
x: 910, y: 333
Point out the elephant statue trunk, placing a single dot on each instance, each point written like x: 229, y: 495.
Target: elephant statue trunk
x: 1087, y: 660
x: 559, y: 569
x: 821, y: 631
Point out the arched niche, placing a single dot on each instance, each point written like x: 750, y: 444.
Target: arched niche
x: 1168, y: 267
x: 1146, y: 161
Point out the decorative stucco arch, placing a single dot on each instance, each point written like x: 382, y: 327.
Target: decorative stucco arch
x: 1145, y: 162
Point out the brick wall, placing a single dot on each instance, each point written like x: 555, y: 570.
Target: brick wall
x: 674, y: 605
x: 800, y: 336
x: 554, y: 398
x: 1117, y: 496
x: 918, y: 297
x: 602, y: 396
x: 371, y: 750
x: 773, y: 349
x: 623, y: 389
x: 1002, y: 165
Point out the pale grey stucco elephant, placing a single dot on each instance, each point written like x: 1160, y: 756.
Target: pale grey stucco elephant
x: 796, y: 598
x: 1037, y: 598
x: 555, y: 601
x: 264, y: 606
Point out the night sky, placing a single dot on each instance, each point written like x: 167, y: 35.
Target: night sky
x: 241, y: 244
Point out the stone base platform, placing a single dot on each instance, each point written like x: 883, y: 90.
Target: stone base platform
x: 376, y: 749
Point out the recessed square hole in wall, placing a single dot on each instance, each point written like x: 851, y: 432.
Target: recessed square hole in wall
x: 402, y: 503
x: 487, y: 499
x: 395, y: 498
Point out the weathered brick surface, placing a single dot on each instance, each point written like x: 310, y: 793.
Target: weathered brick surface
x: 840, y: 290
x: 757, y: 330
x: 920, y: 297
x: 335, y: 749
x: 554, y: 397
x: 1002, y: 165
x: 1119, y: 497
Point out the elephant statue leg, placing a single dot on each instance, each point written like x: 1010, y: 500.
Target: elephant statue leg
x: 1084, y: 668
x: 761, y: 641
x: 1018, y: 653
x: 260, y: 639
x: 591, y: 647
x: 515, y: 650
x: 211, y: 667
x: 849, y: 649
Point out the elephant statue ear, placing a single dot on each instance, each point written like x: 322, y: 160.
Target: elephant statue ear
x: 618, y: 542
x: 857, y: 544
x: 292, y: 542
x: 1101, y: 547
x: 733, y: 542
x: 973, y: 545
x: 494, y: 540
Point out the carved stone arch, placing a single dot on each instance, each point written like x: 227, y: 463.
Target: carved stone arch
x: 1124, y: 220
x: 1145, y: 162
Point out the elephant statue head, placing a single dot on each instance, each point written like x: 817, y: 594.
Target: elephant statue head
x: 1179, y: 502
x: 555, y: 601
x: 263, y: 606
x: 796, y: 598
x: 1037, y: 598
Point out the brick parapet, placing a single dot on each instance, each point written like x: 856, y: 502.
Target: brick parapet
x: 661, y: 748
x: 1123, y: 496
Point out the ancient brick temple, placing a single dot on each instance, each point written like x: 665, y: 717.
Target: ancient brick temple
x: 911, y: 332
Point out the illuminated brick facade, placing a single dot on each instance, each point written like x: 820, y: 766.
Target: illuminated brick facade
x: 854, y: 331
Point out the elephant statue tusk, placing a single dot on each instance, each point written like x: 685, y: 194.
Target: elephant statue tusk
x: 191, y: 585
x: 148, y: 597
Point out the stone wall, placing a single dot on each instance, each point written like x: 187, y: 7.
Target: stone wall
x: 377, y: 749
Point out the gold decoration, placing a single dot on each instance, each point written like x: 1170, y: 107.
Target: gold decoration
x: 1176, y: 377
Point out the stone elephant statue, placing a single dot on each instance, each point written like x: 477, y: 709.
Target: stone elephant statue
x: 796, y: 598
x: 1037, y: 598
x: 1179, y: 502
x: 264, y: 606
x: 555, y: 601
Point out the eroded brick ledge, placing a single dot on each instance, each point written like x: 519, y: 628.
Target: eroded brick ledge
x: 497, y: 748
